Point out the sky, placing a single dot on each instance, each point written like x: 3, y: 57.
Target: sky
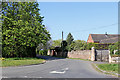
x: 79, y: 18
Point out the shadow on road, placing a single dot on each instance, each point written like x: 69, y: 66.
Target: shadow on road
x: 49, y: 57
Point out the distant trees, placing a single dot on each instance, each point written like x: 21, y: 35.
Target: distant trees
x: 69, y: 39
x: 82, y: 45
x: 56, y: 43
x: 22, y: 29
x: 77, y: 45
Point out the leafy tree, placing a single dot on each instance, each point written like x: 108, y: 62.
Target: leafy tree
x: 22, y: 29
x: 56, y: 43
x: 69, y: 39
x: 77, y: 45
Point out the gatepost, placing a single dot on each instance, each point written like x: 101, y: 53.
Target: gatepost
x: 93, y: 54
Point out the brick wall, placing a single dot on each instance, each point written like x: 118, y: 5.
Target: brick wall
x: 82, y: 54
x: 90, y: 40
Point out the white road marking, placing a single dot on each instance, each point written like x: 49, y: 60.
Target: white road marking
x: 25, y: 76
x: 56, y: 72
x: 40, y: 77
x: 4, y: 77
x: 65, y: 69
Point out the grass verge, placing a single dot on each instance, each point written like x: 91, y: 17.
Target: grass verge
x: 111, y: 69
x: 20, y: 61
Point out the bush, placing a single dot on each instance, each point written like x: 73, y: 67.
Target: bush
x: 114, y: 47
x: 2, y: 58
x: 117, y: 52
x: 69, y: 48
x: 43, y: 52
x: 58, y: 49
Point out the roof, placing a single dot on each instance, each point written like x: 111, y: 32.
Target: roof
x: 105, y: 38
x: 110, y: 40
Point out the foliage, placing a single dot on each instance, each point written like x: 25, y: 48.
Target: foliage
x: 22, y: 29
x: 2, y: 58
x: 63, y: 45
x: 43, y: 52
x: 114, y: 47
x: 56, y: 43
x: 117, y: 52
x: 77, y: 45
x: 58, y: 49
x: 69, y: 39
x: 97, y: 46
x: 80, y: 45
x: 90, y: 45
x: 83, y: 45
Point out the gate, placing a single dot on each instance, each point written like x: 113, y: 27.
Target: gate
x: 102, y: 55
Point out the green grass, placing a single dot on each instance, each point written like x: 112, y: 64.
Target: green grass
x: 79, y: 59
x: 20, y: 61
x: 109, y: 67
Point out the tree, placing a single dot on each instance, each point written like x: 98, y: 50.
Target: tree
x: 69, y: 39
x: 22, y: 29
x: 56, y: 43
x: 79, y: 45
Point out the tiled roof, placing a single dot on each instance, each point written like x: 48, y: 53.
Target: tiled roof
x: 105, y: 38
x: 110, y: 40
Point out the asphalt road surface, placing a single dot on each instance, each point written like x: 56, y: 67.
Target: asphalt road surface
x: 55, y: 68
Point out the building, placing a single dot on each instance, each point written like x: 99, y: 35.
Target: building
x: 103, y: 38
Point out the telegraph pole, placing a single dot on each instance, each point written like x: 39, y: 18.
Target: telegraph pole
x: 62, y: 44
x: 62, y: 35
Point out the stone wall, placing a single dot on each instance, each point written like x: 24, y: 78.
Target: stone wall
x: 114, y: 59
x: 82, y: 54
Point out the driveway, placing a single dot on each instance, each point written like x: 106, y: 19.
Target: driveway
x: 55, y: 68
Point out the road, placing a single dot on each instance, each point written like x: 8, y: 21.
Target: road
x: 55, y: 68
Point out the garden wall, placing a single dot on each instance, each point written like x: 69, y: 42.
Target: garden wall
x: 82, y: 54
x: 113, y: 59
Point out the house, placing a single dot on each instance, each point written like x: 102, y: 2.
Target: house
x: 103, y: 38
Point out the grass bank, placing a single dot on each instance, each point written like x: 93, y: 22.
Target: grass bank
x: 20, y: 61
x: 108, y: 67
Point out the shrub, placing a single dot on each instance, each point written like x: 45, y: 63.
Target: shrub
x: 117, y: 52
x: 43, y: 52
x: 114, y: 47
x: 2, y: 58
x: 69, y: 48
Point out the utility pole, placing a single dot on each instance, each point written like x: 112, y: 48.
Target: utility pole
x: 62, y: 44
x: 62, y: 35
